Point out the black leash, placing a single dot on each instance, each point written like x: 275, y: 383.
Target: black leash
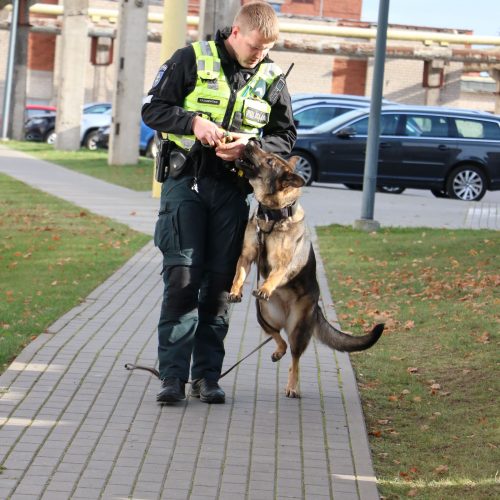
x: 156, y: 373
x: 260, y: 235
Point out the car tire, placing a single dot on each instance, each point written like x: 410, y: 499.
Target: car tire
x: 305, y: 167
x: 90, y: 140
x: 151, y: 148
x: 466, y: 183
x: 50, y: 137
x: 439, y: 193
x: 390, y: 189
x: 354, y: 187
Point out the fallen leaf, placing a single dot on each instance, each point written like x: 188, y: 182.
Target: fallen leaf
x: 412, y: 369
x: 441, y: 469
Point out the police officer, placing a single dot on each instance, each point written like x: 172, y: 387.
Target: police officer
x: 209, y: 99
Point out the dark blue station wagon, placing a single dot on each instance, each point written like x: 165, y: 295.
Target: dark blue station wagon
x: 454, y: 153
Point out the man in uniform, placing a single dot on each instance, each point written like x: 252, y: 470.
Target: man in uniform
x: 208, y: 100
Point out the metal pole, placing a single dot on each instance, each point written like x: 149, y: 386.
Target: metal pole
x: 371, y: 159
x: 10, y: 68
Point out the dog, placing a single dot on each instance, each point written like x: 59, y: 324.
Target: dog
x: 276, y: 238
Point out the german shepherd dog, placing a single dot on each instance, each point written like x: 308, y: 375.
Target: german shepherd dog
x: 276, y: 238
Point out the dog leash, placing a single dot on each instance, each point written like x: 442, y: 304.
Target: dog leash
x: 156, y: 373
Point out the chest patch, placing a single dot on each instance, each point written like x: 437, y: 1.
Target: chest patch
x: 256, y: 115
x: 206, y: 100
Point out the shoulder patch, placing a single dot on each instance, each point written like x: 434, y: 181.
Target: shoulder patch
x: 160, y: 74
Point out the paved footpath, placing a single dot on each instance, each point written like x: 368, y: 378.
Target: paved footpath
x: 75, y: 424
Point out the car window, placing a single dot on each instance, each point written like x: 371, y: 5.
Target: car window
x: 361, y: 126
x: 38, y: 112
x: 473, y: 129
x: 388, y: 125
x: 427, y: 126
x: 98, y: 108
x: 314, y: 116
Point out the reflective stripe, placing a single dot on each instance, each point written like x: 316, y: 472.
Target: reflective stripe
x: 205, y: 48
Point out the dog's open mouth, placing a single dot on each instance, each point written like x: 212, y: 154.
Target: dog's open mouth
x: 246, y: 163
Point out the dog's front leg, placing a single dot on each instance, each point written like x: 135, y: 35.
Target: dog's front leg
x: 248, y: 255
x: 270, y: 284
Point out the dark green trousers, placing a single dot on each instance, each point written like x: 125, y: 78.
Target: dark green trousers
x: 200, y: 235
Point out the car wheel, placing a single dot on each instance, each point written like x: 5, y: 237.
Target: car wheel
x: 354, y: 187
x: 50, y: 137
x: 467, y: 183
x: 90, y: 141
x: 151, y: 148
x: 305, y: 167
x: 390, y: 189
x: 439, y: 193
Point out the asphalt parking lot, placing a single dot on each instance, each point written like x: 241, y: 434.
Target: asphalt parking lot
x: 335, y: 204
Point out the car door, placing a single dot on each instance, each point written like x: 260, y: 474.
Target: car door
x: 347, y: 152
x: 427, y: 148
x: 343, y: 154
x: 389, y: 153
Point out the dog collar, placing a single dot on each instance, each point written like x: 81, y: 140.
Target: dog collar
x: 270, y: 214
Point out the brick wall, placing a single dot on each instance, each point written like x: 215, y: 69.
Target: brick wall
x: 349, y: 76
x: 337, y: 9
x: 42, y: 47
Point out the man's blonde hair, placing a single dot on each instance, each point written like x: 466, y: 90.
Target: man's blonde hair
x: 258, y: 16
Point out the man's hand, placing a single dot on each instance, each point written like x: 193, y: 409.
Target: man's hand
x: 232, y: 150
x: 207, y: 132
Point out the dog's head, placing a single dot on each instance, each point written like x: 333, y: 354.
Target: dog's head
x: 273, y: 179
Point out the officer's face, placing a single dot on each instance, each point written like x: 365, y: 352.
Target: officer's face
x: 250, y: 47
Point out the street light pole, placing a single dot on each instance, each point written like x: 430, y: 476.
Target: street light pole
x: 7, y: 96
x: 367, y: 222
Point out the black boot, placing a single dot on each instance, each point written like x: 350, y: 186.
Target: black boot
x: 172, y: 390
x: 208, y: 391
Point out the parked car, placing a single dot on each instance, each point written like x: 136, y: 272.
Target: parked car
x: 454, y: 153
x: 38, y: 110
x: 311, y: 110
x: 95, y: 115
x: 147, y: 144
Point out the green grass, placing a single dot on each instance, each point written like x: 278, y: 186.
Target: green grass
x: 52, y: 255
x: 430, y: 386
x: 94, y: 163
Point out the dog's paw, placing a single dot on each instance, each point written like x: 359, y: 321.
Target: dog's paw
x: 292, y: 392
x: 277, y: 355
x: 261, y: 294
x: 234, y: 297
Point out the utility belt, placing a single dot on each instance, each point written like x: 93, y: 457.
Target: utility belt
x: 170, y: 159
x: 173, y: 161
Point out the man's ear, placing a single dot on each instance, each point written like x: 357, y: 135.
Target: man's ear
x: 291, y: 179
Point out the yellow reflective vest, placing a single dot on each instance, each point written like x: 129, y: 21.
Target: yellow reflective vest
x: 213, y: 98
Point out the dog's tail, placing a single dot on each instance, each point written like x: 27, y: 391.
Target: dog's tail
x: 342, y: 341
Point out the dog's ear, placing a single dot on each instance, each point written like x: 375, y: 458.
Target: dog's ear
x: 292, y: 180
x: 292, y: 161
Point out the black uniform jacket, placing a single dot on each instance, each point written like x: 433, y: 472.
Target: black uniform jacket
x: 177, y: 79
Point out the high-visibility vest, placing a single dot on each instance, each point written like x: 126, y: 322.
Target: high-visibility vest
x: 213, y: 99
